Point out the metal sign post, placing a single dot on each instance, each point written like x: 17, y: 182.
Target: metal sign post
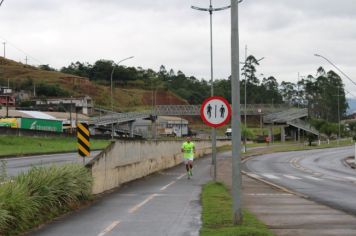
x: 215, y: 112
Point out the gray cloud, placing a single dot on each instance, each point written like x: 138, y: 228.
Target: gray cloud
x: 286, y: 32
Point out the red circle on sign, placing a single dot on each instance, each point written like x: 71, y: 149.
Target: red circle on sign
x: 206, y: 121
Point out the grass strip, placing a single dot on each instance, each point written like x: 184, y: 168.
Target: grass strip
x: 20, y: 145
x: 217, y: 215
x: 41, y: 194
x: 285, y: 147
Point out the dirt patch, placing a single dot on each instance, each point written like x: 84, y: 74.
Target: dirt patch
x: 162, y: 97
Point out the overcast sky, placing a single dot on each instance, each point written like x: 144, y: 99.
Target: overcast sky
x: 160, y: 32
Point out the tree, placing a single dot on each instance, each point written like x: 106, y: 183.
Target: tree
x: 270, y: 90
x: 78, y: 68
x: 101, y: 70
x: 329, y: 129
x: 288, y: 92
x: 249, y: 70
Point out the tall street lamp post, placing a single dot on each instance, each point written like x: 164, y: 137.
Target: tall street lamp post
x: 213, y: 130
x: 111, y: 92
x: 338, y: 91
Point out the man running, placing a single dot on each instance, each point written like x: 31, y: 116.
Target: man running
x: 188, y: 149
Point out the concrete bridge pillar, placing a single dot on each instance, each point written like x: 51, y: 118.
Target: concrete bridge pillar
x: 131, y: 129
x: 270, y: 133
x: 153, y: 118
x: 283, y: 134
x: 294, y: 135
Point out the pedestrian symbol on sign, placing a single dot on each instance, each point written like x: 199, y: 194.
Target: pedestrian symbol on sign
x: 215, y: 111
x: 209, y: 110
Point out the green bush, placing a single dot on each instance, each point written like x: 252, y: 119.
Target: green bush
x: 39, y: 195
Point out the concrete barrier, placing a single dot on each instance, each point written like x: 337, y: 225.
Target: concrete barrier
x: 124, y: 161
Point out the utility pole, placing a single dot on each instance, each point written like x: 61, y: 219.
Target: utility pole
x: 213, y: 130
x: 26, y: 59
x: 111, y: 94
x: 236, y: 115
x: 245, y: 110
x: 4, y: 49
x: 338, y: 114
x: 70, y: 115
x: 7, y: 106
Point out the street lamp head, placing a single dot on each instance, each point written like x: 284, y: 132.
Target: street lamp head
x: 317, y: 55
x: 127, y: 58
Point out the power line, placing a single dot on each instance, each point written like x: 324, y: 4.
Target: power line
x: 22, y: 51
x: 348, y: 92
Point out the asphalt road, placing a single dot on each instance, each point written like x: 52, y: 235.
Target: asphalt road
x: 319, y: 174
x: 166, y: 203
x: 23, y: 164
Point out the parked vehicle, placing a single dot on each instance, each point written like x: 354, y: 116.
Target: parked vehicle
x: 228, y: 132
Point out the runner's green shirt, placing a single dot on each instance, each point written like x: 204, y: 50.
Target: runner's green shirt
x: 188, y: 150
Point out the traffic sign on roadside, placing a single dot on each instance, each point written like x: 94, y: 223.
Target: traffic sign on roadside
x: 215, y: 111
x: 83, y: 135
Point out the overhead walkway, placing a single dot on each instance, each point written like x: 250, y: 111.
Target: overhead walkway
x: 290, y: 118
x: 285, y: 116
x: 117, y: 118
x: 113, y: 118
x: 301, y: 124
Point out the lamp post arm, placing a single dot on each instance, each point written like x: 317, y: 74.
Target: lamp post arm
x: 318, y: 55
x: 199, y: 8
x: 221, y: 8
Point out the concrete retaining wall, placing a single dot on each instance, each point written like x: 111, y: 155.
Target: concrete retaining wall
x: 124, y: 161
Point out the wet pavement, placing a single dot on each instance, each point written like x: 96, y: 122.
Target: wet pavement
x: 285, y: 213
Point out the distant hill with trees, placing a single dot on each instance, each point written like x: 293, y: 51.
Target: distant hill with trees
x: 136, y: 88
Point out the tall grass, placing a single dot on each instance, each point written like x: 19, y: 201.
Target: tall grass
x: 42, y: 193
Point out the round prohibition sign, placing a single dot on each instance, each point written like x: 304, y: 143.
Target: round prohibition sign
x: 215, y: 111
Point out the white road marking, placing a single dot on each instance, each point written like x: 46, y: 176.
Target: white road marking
x: 109, y: 228
x: 270, y: 176
x: 292, y: 177
x: 128, y: 194
x: 312, y: 178
x: 181, y: 176
x: 254, y: 175
x: 270, y: 194
x: 333, y: 178
x: 138, y: 206
x: 165, y: 187
x: 351, y: 178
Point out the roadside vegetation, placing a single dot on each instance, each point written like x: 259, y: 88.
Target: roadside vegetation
x: 43, y: 193
x: 286, y: 147
x: 17, y: 146
x: 217, y: 215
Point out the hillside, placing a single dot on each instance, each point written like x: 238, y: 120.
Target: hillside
x: 25, y: 77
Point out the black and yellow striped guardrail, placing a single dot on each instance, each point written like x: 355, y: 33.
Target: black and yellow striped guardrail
x: 83, y: 136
